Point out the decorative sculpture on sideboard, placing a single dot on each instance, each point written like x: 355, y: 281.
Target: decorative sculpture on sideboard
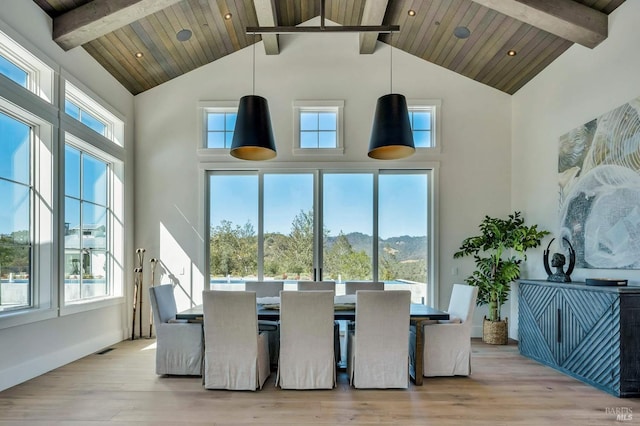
x: 558, y: 261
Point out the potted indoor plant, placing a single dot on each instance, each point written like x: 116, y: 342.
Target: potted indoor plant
x: 498, y: 252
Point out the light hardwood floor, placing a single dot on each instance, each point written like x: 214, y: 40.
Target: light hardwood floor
x: 121, y: 388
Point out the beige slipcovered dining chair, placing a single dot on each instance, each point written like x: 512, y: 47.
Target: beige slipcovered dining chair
x: 316, y: 285
x: 351, y: 287
x: 268, y: 289
x: 178, y: 343
x: 325, y: 285
x: 447, y: 344
x: 378, y: 349
x: 265, y: 288
x: 306, y: 340
x: 236, y: 355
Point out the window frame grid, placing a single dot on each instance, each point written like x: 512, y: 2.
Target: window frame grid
x: 31, y: 189
x: 225, y: 131
x: 434, y: 106
x: 430, y: 168
x: 85, y: 148
x: 306, y: 106
x: 40, y: 76
x: 42, y: 303
x: 203, y: 110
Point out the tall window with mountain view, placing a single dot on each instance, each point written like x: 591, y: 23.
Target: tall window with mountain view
x: 320, y: 224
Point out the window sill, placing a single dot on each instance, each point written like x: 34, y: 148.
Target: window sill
x: 317, y: 151
x: 89, y: 305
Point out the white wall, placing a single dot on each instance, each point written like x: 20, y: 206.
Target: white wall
x: 30, y: 350
x: 474, y: 162
x: 579, y: 86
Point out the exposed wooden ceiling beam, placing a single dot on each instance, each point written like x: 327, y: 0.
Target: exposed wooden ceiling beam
x: 373, y: 14
x: 266, y: 13
x: 564, y: 18
x: 100, y: 17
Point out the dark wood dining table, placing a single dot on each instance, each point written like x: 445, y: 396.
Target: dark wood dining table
x: 341, y: 313
x: 418, y: 315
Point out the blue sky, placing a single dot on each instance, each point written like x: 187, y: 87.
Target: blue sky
x: 14, y: 171
x: 348, y: 202
x: 14, y: 174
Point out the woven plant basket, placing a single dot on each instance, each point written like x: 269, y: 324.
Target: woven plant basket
x: 495, y: 332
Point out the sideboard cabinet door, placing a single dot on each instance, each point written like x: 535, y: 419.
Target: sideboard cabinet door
x: 572, y: 329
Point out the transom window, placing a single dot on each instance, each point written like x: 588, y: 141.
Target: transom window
x: 83, y: 108
x: 220, y: 126
x: 421, y: 127
x: 216, y: 124
x: 318, y: 127
x: 85, y: 117
x: 25, y: 69
x: 13, y: 72
x: 424, y: 119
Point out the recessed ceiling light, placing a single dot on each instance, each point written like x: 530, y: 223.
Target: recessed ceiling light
x: 138, y: 54
x: 227, y: 16
x: 511, y: 52
x: 462, y: 32
x: 411, y: 12
x: 183, y: 35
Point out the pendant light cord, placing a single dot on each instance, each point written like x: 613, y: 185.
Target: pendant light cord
x: 390, y: 62
x: 254, y: 63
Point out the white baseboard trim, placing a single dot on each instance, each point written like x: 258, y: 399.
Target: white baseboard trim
x: 37, y: 366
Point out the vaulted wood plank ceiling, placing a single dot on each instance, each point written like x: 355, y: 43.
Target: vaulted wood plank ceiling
x: 114, y: 31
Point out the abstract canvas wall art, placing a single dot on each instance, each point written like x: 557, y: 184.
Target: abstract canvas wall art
x: 599, y: 184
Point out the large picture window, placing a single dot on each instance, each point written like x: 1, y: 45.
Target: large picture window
x: 321, y: 225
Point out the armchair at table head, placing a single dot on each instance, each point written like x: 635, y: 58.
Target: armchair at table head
x: 236, y: 355
x: 378, y: 350
x: 447, y: 344
x: 179, y: 344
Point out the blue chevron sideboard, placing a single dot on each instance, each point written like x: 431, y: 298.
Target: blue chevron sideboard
x: 590, y: 333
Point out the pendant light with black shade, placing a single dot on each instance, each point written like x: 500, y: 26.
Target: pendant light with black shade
x: 253, y: 134
x: 391, y: 134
